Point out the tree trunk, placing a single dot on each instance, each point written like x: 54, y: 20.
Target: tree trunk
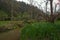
x: 12, y: 10
x: 46, y: 6
x: 51, y: 8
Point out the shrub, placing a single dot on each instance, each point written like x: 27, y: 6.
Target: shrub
x: 40, y: 31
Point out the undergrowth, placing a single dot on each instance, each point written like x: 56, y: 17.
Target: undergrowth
x: 40, y: 31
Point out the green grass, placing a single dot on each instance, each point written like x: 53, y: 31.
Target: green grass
x: 36, y: 30
x: 41, y: 31
x: 3, y: 23
x: 9, y: 25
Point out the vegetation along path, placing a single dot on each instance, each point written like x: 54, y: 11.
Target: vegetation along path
x: 11, y: 35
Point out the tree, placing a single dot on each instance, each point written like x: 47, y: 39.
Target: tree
x: 7, y: 5
x: 55, y: 8
x: 31, y: 13
x: 46, y: 5
x: 53, y: 16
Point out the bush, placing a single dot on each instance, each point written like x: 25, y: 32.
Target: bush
x: 40, y: 31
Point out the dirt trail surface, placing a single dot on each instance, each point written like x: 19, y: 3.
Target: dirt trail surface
x: 11, y: 35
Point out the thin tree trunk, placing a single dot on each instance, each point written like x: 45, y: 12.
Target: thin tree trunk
x: 46, y: 6
x: 51, y: 8
x: 12, y: 10
x: 55, y: 8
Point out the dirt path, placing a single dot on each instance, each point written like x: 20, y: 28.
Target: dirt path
x: 11, y: 35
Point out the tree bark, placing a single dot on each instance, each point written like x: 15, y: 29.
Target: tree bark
x: 51, y: 8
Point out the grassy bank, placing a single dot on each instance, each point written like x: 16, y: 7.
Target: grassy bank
x: 10, y: 25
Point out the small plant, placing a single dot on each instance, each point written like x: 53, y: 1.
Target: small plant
x: 40, y: 31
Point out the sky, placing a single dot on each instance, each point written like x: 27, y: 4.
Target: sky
x: 38, y: 2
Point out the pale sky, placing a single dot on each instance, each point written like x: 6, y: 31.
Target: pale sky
x: 37, y: 3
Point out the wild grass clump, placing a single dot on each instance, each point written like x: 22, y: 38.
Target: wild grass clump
x: 40, y: 31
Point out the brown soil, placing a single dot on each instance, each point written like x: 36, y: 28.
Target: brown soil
x: 11, y: 35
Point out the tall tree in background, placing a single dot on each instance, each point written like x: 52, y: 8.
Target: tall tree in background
x: 55, y: 8
x: 46, y: 5
x: 31, y: 12
x: 51, y: 8
x: 52, y: 16
x: 12, y: 10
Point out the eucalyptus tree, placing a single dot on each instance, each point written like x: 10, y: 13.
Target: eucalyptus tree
x: 52, y: 16
x: 5, y: 6
x: 46, y: 5
x: 55, y: 8
x: 31, y: 11
x: 9, y: 4
x: 12, y: 10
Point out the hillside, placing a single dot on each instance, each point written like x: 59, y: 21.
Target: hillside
x: 13, y: 10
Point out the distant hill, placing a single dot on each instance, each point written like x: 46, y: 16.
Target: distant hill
x: 19, y: 10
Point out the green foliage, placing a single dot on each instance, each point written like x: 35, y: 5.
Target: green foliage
x: 8, y: 25
x: 3, y: 14
x: 40, y: 31
x: 18, y: 10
